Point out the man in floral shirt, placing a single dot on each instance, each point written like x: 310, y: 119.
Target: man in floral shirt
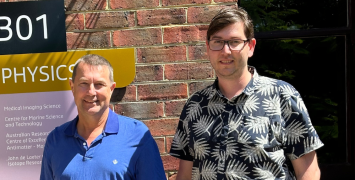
x: 244, y: 126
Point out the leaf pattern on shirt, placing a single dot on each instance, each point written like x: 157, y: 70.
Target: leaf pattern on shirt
x: 286, y: 110
x: 312, y: 143
x: 231, y: 147
x: 243, y: 137
x: 248, y: 104
x: 179, y: 141
x: 253, y: 153
x: 193, y: 110
x: 278, y: 156
x: 300, y: 104
x: 195, y: 173
x: 201, y: 149
x: 209, y: 92
x: 265, y: 85
x: 272, y: 106
x: 258, y: 124
x: 236, y: 171
x: 234, y: 121
x: 215, y: 106
x: 267, y: 171
x: 202, y: 125
x: 209, y: 171
x: 294, y: 131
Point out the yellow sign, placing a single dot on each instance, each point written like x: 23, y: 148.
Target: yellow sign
x: 42, y: 72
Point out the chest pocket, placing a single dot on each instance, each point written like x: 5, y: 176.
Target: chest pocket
x: 262, y: 131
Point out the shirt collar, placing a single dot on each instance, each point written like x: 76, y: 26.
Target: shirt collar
x: 111, y: 127
x: 248, y: 90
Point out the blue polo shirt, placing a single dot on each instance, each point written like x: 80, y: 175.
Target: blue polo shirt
x: 124, y: 151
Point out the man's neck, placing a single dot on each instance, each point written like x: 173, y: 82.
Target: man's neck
x: 234, y: 86
x: 89, y: 127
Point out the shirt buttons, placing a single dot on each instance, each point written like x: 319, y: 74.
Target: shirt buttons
x: 84, y: 144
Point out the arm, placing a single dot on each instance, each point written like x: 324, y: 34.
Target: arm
x: 185, y: 170
x: 306, y: 167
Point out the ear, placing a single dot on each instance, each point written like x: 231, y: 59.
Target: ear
x: 251, y: 45
x: 113, y: 86
x: 71, y: 83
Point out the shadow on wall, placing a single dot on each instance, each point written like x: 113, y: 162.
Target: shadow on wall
x: 118, y: 94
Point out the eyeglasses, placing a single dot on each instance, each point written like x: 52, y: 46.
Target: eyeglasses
x: 235, y: 45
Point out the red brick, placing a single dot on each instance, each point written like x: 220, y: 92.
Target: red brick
x: 182, y: 2
x: 109, y: 20
x: 161, y: 54
x: 202, y: 14
x: 84, y: 5
x: 137, y: 37
x: 172, y: 177
x: 130, y: 94
x: 128, y: 4
x: 217, y: 1
x: 188, y: 71
x: 74, y: 22
x: 149, y: 73
x: 141, y: 110
x: 196, y: 86
x: 174, y: 108
x: 161, y: 17
x: 197, y: 52
x: 162, y: 127
x: 170, y: 163
x: 88, y: 40
x: 185, y: 34
x: 169, y: 141
x: 162, y: 91
x: 161, y: 144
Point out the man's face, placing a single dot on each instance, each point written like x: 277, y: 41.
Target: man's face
x: 226, y: 63
x: 92, y: 89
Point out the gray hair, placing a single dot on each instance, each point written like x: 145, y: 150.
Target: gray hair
x: 94, y: 60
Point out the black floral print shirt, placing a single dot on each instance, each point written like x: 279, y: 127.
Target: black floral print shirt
x: 252, y: 136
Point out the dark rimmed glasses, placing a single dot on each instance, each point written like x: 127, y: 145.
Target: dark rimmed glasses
x: 235, y: 45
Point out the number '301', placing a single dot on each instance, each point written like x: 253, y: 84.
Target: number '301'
x: 18, y: 28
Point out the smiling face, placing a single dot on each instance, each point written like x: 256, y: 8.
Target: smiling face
x: 226, y: 63
x: 92, y: 89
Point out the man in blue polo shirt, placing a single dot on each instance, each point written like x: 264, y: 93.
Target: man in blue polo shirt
x: 98, y: 143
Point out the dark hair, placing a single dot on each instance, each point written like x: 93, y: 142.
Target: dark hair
x: 228, y: 16
x: 94, y: 60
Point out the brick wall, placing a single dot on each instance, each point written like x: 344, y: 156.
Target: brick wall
x: 171, y: 62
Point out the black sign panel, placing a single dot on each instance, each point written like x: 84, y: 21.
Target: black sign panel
x: 32, y: 27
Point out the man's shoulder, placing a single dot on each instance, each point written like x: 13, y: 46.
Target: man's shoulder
x: 131, y: 124
x: 262, y: 80
x: 209, y: 90
x: 62, y: 127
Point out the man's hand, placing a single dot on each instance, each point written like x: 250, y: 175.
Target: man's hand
x: 185, y: 170
x: 306, y: 167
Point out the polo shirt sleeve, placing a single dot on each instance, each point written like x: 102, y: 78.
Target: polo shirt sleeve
x: 180, y: 145
x: 149, y: 164
x: 298, y: 134
x: 46, y: 169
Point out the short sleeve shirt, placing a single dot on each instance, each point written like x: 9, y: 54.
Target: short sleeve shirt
x: 255, y: 135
